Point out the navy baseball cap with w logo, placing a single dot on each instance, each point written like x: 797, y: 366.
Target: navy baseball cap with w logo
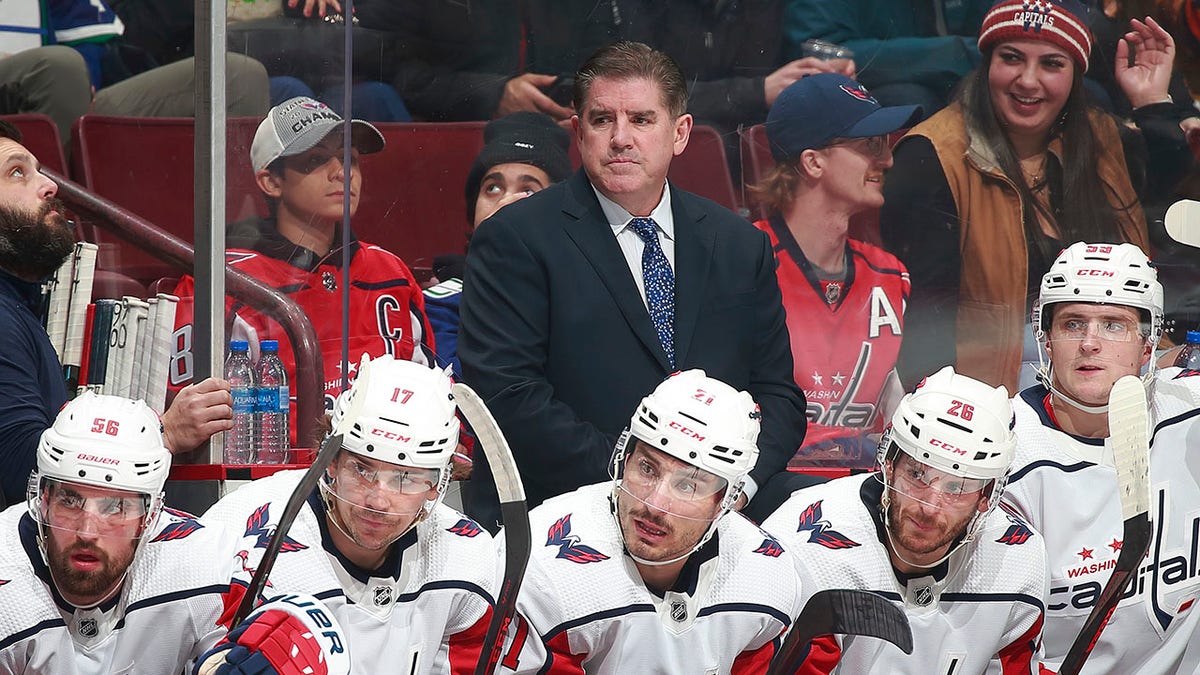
x: 300, y: 123
x: 815, y: 110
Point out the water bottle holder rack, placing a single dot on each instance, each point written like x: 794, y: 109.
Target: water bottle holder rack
x: 200, y: 472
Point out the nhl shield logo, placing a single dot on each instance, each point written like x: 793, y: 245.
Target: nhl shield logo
x: 383, y: 596
x: 88, y: 628
x: 679, y: 610
x: 924, y: 596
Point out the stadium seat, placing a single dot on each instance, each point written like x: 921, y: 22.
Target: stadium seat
x: 700, y: 169
x: 146, y: 165
x: 41, y: 138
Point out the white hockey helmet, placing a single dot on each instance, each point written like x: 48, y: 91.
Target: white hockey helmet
x: 703, y: 422
x: 955, y: 424
x: 1112, y: 274
x: 398, y: 412
x: 106, y: 441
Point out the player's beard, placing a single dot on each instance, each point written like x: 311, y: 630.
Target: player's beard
x: 946, y: 525
x: 34, y: 244
x: 81, y: 584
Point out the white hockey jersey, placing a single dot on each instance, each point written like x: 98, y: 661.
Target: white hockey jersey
x: 584, y: 608
x: 425, y: 610
x: 165, y: 616
x: 1067, y: 488
x: 979, y: 612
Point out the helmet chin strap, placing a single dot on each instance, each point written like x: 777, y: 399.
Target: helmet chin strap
x: 885, y: 503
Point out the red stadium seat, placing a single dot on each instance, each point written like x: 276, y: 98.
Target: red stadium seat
x: 41, y: 138
x: 701, y: 168
x: 146, y: 165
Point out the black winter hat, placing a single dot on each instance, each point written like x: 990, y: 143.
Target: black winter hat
x: 521, y: 138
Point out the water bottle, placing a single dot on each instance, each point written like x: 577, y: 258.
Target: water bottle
x: 271, y: 406
x: 239, y: 441
x: 1189, y: 356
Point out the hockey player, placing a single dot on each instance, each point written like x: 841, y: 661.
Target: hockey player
x: 925, y: 532
x: 411, y: 580
x: 96, y: 577
x: 297, y: 159
x: 651, y: 573
x: 844, y: 297
x: 1098, y: 317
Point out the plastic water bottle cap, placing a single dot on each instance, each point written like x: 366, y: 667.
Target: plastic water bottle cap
x: 239, y: 345
x: 269, y: 345
x: 1193, y: 336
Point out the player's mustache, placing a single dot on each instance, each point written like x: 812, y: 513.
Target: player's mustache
x: 656, y: 519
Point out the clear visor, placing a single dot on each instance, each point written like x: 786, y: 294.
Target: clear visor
x: 381, y: 495
x: 921, y: 482
x: 1075, y: 329
x: 86, y: 509
x: 668, y: 485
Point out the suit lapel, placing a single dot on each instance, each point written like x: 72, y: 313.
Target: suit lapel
x: 589, y: 229
x: 695, y: 237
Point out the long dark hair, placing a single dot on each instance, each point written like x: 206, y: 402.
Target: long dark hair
x: 1085, y: 209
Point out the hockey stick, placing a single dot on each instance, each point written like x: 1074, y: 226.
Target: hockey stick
x: 82, y: 276
x: 842, y: 612
x: 513, y: 510
x: 1183, y: 222
x: 1127, y: 425
x: 329, y: 448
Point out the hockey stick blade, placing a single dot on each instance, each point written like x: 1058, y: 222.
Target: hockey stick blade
x: 842, y: 612
x: 1183, y: 222
x: 329, y: 448
x: 1127, y: 424
x: 513, y: 510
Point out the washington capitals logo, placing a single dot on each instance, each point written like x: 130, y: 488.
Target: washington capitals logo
x: 465, y: 528
x: 811, y: 521
x: 4, y: 581
x: 256, y: 525
x: 1186, y: 373
x: 859, y: 92
x: 182, y: 525
x: 568, y: 545
x: 769, y: 548
x: 1018, y: 532
x: 1034, y: 15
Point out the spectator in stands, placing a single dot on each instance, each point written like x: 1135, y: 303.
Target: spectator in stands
x: 487, y: 58
x: 986, y: 192
x: 730, y: 53
x: 126, y: 80
x: 297, y: 160
x: 35, y: 238
x: 844, y: 298
x: 578, y: 300
x: 523, y: 153
x: 907, y: 51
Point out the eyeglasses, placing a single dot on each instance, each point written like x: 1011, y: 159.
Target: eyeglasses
x: 921, y: 477
x: 644, y: 477
x: 1110, y: 330
x: 360, y: 477
x: 871, y: 146
x: 65, y: 508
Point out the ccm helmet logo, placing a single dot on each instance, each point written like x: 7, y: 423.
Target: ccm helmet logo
x: 946, y: 446
x: 1094, y: 273
x: 685, y: 431
x: 390, y: 435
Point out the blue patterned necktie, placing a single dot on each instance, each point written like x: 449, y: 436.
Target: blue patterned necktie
x: 660, y: 284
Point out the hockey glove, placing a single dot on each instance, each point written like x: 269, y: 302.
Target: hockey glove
x: 287, y: 635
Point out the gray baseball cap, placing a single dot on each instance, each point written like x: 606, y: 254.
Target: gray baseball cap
x: 300, y: 123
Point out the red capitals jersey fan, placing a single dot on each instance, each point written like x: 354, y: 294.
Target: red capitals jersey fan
x: 387, y: 311
x: 845, y: 338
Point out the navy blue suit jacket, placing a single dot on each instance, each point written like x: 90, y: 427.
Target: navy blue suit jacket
x: 556, y: 339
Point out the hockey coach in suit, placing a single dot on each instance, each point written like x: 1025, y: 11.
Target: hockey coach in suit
x: 581, y: 298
